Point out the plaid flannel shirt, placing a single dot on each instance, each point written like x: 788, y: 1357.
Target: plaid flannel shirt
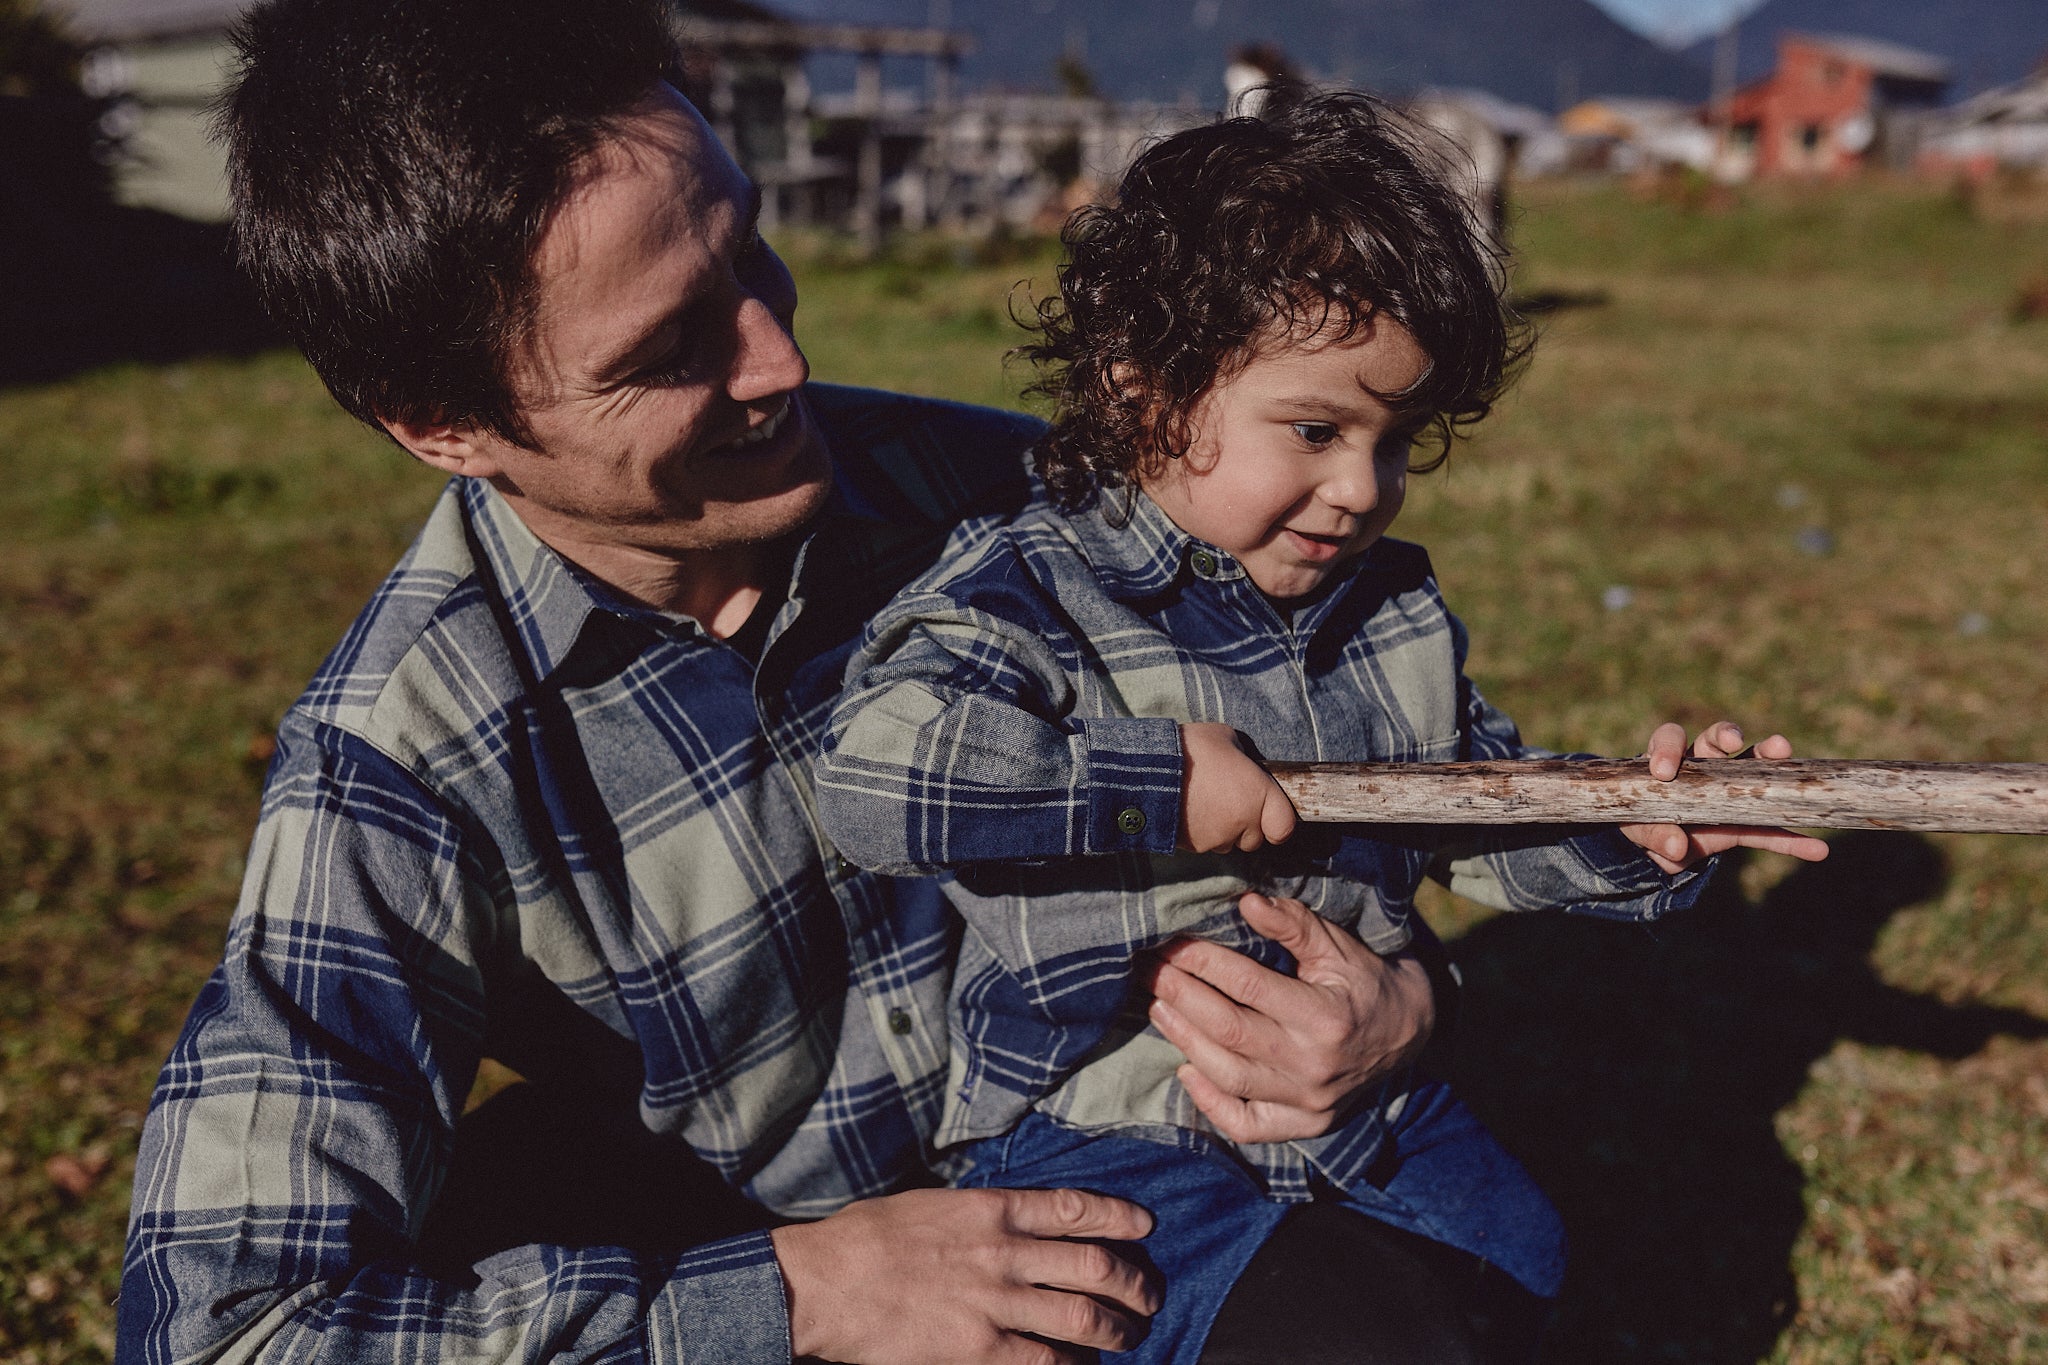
x: 1014, y: 718
x: 516, y: 815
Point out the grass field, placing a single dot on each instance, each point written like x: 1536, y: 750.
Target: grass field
x: 1781, y: 460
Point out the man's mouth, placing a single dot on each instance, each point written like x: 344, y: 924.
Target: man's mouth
x: 760, y: 432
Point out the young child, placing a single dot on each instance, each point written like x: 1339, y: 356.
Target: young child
x: 1069, y: 720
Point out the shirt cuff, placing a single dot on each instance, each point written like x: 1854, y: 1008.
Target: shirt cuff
x: 1624, y: 866
x: 724, y: 1305
x: 1134, y: 783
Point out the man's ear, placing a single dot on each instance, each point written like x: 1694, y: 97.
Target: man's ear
x: 449, y: 447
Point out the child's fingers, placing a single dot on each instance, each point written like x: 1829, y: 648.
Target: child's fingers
x: 1666, y: 750
x: 1721, y: 838
x: 1667, y: 845
x: 1277, y: 818
x: 1722, y: 739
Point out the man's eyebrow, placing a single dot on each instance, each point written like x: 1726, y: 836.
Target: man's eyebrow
x: 622, y: 360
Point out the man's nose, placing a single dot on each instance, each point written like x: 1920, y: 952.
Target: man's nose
x: 766, y: 359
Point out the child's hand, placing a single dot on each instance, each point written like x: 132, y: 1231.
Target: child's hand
x: 1228, y: 801
x: 1677, y: 847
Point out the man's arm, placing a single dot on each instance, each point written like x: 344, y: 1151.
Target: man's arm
x: 303, y: 1124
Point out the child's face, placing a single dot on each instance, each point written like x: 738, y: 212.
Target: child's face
x: 1295, y: 467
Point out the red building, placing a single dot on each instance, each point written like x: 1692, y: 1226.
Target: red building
x: 1833, y: 104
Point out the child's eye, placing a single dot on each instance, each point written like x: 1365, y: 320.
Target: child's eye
x: 1317, y: 434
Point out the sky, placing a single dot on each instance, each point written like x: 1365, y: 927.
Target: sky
x: 1676, y: 21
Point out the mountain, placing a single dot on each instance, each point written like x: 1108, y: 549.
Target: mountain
x: 1541, y: 52
x: 1990, y: 42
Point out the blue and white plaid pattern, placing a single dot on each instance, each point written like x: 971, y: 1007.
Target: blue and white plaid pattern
x: 1013, y: 719
x: 510, y: 798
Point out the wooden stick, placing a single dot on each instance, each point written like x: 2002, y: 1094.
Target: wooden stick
x: 1994, y: 798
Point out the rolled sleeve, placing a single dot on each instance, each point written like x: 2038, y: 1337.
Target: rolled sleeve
x: 725, y: 1305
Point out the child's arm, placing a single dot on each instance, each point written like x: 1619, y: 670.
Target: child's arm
x: 961, y: 739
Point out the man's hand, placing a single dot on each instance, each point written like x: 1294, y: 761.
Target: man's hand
x: 1228, y: 801
x: 1272, y: 1058
x: 1677, y: 847
x: 968, y: 1276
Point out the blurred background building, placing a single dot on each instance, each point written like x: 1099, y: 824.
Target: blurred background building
x: 988, y: 115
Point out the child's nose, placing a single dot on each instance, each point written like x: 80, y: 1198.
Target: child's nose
x: 1353, y: 488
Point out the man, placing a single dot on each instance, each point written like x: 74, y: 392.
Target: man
x: 549, y: 799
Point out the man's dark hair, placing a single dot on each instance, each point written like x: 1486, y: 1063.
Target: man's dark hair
x: 1313, y: 219
x: 393, y: 164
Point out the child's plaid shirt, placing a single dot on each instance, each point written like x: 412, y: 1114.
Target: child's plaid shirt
x: 1013, y: 718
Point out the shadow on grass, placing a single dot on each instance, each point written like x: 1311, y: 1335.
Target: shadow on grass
x: 85, y: 284
x: 1638, y: 1075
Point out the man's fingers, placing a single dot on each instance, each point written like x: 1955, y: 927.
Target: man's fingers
x: 1076, y: 1213
x: 1243, y: 1120
x: 1246, y: 1028
x: 1223, y: 970
x: 1288, y: 923
x: 1227, y: 1069
x: 1093, y: 1269
x: 1063, y: 1317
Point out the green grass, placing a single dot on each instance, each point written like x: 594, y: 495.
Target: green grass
x: 1808, y: 1123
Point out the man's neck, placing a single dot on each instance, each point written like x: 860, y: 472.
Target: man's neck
x: 718, y: 588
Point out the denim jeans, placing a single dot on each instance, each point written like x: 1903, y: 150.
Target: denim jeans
x: 1445, y: 1179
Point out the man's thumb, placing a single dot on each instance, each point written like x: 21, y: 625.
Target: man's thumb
x: 1288, y: 923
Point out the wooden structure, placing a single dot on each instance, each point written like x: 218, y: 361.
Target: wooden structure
x: 1998, y: 798
x: 815, y: 161
x: 2001, y: 129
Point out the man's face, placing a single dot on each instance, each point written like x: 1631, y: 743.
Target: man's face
x: 658, y: 382
x: 1296, y: 467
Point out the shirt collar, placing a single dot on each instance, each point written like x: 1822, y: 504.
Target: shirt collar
x: 846, y: 556
x: 547, y: 601
x: 1138, y: 552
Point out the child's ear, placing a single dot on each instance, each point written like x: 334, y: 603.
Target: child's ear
x: 448, y: 446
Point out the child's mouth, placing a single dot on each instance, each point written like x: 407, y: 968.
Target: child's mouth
x: 1315, y: 548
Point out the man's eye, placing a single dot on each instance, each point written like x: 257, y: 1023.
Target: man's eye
x: 674, y: 368
x: 1316, y: 434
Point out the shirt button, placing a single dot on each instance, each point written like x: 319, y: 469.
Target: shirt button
x: 1130, y: 820
x: 1203, y: 563
x: 900, y: 1022
x: 842, y: 868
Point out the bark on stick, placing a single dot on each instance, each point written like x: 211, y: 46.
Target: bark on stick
x: 1825, y: 793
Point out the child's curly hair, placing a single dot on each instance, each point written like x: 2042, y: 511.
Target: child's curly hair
x: 1312, y: 219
